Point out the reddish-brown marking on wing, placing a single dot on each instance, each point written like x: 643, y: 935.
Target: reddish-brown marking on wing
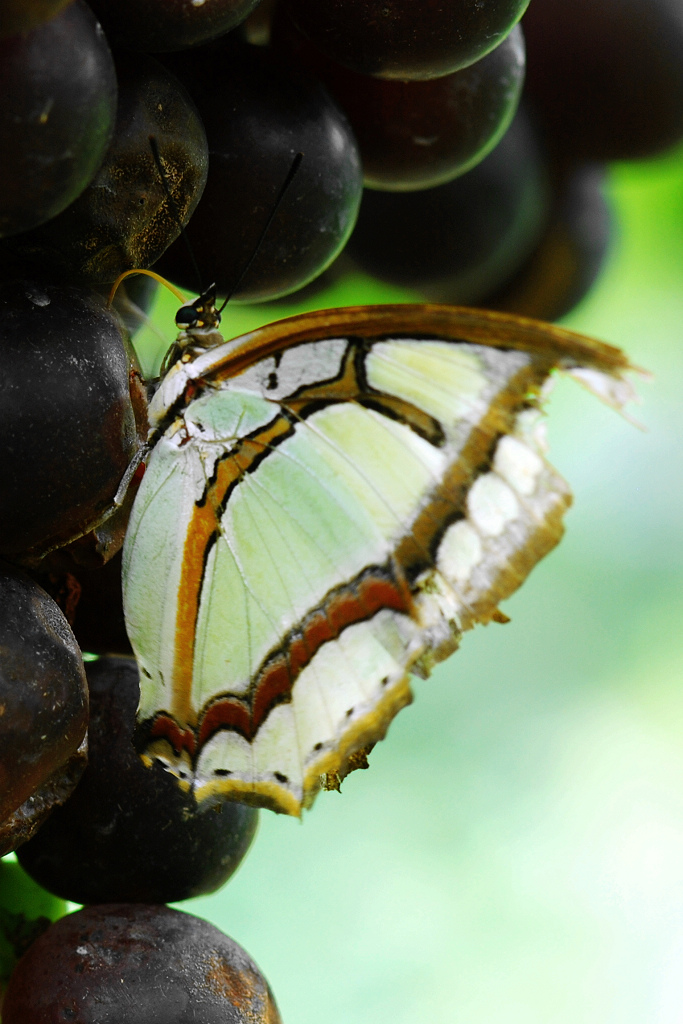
x: 274, y: 684
x: 355, y: 602
x: 227, y: 713
x: 318, y: 629
x: 165, y: 727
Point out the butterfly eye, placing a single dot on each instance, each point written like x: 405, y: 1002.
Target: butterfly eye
x: 187, y: 317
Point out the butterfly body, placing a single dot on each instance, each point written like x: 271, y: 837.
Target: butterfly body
x: 332, y: 501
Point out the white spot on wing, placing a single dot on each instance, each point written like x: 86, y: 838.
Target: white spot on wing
x: 459, y: 551
x: 518, y: 465
x: 491, y: 505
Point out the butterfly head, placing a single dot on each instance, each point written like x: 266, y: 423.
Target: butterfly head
x: 201, y: 314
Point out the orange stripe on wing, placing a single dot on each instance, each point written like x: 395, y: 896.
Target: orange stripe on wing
x: 201, y: 532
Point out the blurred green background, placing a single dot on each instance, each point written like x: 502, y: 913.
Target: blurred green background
x: 514, y: 855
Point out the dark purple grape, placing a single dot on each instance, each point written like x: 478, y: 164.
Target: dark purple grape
x: 258, y: 116
x: 606, y: 76
x: 405, y: 39
x: 24, y: 15
x: 160, y: 26
x: 66, y: 571
x: 129, y: 832
x: 90, y: 597
x: 415, y: 135
x: 67, y: 417
x: 58, y: 88
x: 459, y: 241
x: 24, y: 822
x: 569, y: 256
x: 128, y: 964
x: 44, y: 701
x: 124, y: 219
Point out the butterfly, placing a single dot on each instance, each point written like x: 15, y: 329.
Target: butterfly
x: 329, y: 503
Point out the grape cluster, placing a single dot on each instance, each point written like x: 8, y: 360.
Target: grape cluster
x: 427, y: 163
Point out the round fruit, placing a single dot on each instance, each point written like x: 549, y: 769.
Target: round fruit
x: 66, y: 417
x: 124, y: 219
x: 569, y: 256
x: 160, y: 26
x: 606, y: 78
x: 59, y: 104
x: 130, y: 833
x: 273, y: 115
x: 90, y: 597
x: 415, y: 135
x: 43, y: 692
x: 404, y: 39
x: 126, y: 963
x: 459, y: 241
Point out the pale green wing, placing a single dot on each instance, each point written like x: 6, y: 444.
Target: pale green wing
x: 313, y: 529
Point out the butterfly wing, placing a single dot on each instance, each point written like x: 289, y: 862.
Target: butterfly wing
x: 322, y: 517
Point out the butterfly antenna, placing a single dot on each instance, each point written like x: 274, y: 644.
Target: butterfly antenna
x: 296, y: 163
x: 174, y: 210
